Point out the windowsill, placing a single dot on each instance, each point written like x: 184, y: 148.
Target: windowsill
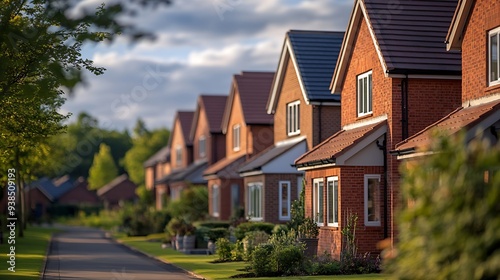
x: 372, y: 224
x: 493, y: 87
x: 236, y: 149
x: 293, y: 134
x: 364, y: 116
x: 216, y: 215
x: 285, y: 219
x: 256, y: 219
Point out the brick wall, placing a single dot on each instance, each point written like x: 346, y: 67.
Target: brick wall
x: 236, y: 118
x: 178, y: 140
x: 290, y: 92
x: 225, y: 196
x: 484, y: 17
x: 260, y: 138
x: 326, y: 122
x: 149, y: 177
x: 351, y: 199
x: 202, y: 129
x: 79, y: 195
x: 219, y: 147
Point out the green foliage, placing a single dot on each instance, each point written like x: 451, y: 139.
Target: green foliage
x: 260, y: 260
x: 217, y: 233
x: 253, y: 239
x: 145, y: 144
x: 349, y: 236
x: 139, y: 220
x: 450, y: 228
x: 212, y: 224
x: 280, y: 229
x: 146, y: 196
x: 288, y: 259
x: 224, y: 248
x: 175, y: 226
x: 192, y: 205
x: 244, y: 228
x: 238, y: 251
x: 308, y: 229
x: 103, y: 169
x: 298, y: 213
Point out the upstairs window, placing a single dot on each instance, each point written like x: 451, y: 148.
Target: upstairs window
x: 236, y: 137
x: 293, y: 118
x: 364, y: 96
x: 202, y: 146
x: 494, y: 54
x: 178, y: 155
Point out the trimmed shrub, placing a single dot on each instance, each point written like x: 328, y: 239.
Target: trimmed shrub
x: 238, y: 252
x: 224, y: 248
x: 288, y: 259
x: 450, y: 229
x: 243, y: 228
x: 279, y: 229
x: 213, y: 224
x: 251, y: 240
x: 216, y: 233
x: 259, y: 261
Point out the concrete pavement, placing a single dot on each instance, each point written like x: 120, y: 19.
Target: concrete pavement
x: 83, y: 253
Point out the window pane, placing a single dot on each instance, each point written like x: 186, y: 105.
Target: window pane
x: 360, y: 98
x: 284, y: 200
x: 365, y: 98
x: 320, y: 202
x: 373, y: 200
x: 494, y: 58
x: 288, y: 119
x: 336, y: 203
x: 298, y: 116
x: 235, y: 196
x: 370, y: 93
x: 331, y: 203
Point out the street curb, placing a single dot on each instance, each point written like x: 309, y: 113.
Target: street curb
x: 109, y: 236
x: 46, y: 257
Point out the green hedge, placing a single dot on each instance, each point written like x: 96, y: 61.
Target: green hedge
x: 243, y: 228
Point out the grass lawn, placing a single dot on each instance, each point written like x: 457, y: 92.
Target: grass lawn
x: 30, y: 251
x: 200, y: 264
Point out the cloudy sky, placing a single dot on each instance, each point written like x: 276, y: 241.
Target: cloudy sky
x: 200, y: 44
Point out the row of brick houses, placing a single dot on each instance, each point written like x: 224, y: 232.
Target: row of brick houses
x: 340, y: 116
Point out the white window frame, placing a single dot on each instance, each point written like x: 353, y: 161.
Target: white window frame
x: 254, y: 186
x: 371, y: 223
x: 492, y: 33
x: 215, y: 200
x: 288, y: 201
x: 299, y: 186
x: 316, y: 194
x: 293, y: 118
x: 332, y: 180
x: 236, y: 137
x: 178, y: 155
x: 364, y: 98
x: 202, y: 146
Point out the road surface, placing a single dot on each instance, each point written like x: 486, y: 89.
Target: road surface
x: 83, y: 253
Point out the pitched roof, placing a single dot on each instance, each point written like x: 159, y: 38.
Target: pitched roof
x: 253, y: 89
x: 314, y: 54
x: 336, y: 145
x: 186, y: 121
x: 163, y: 155
x: 192, y: 173
x: 214, y: 109
x: 113, y: 184
x: 409, y: 37
x: 225, y: 168
x: 463, y: 118
x: 458, y: 23
x: 53, y: 189
x: 267, y: 155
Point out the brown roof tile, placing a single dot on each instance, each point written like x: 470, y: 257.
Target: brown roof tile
x: 214, y: 108
x: 336, y: 145
x: 254, y: 88
x: 226, y: 167
x: 186, y: 120
x: 461, y: 118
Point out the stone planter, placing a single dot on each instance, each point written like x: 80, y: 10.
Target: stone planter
x: 311, y: 246
x: 211, y: 247
x: 179, y: 242
x: 189, y: 242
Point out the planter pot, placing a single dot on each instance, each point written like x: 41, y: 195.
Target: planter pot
x: 311, y: 246
x: 211, y: 247
x: 189, y: 242
x: 179, y: 242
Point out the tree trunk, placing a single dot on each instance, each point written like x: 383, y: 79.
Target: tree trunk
x: 20, y: 197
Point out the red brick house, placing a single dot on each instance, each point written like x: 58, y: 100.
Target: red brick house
x: 120, y: 190
x: 304, y: 112
x: 248, y: 131
x: 156, y: 167
x: 181, y: 155
x: 475, y: 31
x: 79, y: 194
x: 208, y: 145
x: 395, y: 78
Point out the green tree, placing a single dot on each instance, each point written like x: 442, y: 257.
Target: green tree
x: 192, y: 205
x: 145, y: 144
x: 103, y: 169
x: 451, y: 227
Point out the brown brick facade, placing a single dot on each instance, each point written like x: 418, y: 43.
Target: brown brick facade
x: 226, y: 188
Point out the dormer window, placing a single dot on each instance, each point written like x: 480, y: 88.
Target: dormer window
x: 293, y: 118
x: 236, y: 137
x: 364, y: 96
x: 494, y: 54
x: 202, y: 146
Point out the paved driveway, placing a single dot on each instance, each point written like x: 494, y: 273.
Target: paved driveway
x: 82, y: 253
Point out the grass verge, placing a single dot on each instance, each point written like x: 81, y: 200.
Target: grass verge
x: 30, y: 252
x: 201, y: 264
